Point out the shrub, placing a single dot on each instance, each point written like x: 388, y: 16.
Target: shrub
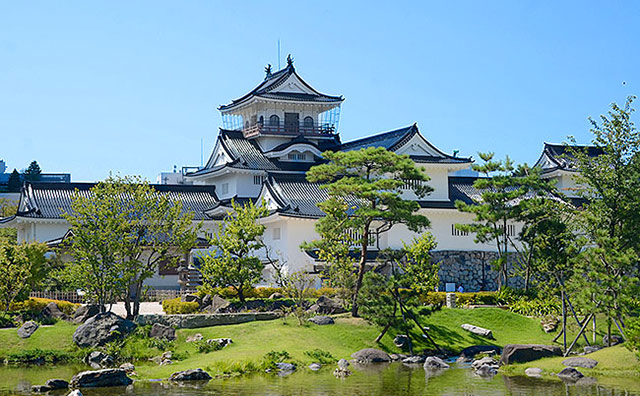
x: 203, y: 346
x: 633, y: 334
x: 34, y: 304
x: 6, y: 321
x: 39, y: 356
x: 320, y: 356
x: 270, y: 359
x: 176, y: 306
x: 265, y: 292
x: 536, y: 307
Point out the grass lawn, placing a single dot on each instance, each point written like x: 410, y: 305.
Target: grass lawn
x: 57, y: 337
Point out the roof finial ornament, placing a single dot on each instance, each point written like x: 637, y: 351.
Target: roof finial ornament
x: 289, y: 60
x: 267, y: 70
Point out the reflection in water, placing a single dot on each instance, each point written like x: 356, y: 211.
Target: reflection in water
x: 386, y: 380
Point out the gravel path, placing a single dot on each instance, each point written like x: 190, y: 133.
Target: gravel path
x: 145, y: 308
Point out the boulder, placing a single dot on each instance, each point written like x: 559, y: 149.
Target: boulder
x: 402, y: 341
x: 396, y: 357
x: 592, y: 348
x: 52, y: 311
x: 615, y: 340
x: 485, y: 367
x: 195, y: 337
x: 580, y: 362
x: 75, y: 393
x: 218, y: 302
x: 100, y: 378
x: 128, y: 367
x: 190, y: 375
x: 85, y: 312
x: 414, y: 360
x: 222, y: 342
x: 191, y: 298
x: 434, y: 363
x: 206, y: 301
x: 343, y: 364
x: 533, y: 372
x: 98, y: 360
x: 549, y: 324
x: 371, y: 355
x: 325, y: 305
x: 101, y: 329
x: 322, y: 320
x: 478, y: 330
x: 522, y: 353
x: 162, y: 332
x: 487, y: 371
x: 40, y: 388
x: 276, y: 296
x: 27, y: 329
x: 472, y: 351
x: 285, y: 367
x: 570, y: 374
x: 315, y: 366
x: 57, y: 384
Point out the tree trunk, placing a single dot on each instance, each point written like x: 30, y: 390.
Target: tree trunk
x: 609, y: 331
x: 564, y: 321
x: 361, y: 268
x: 240, y: 294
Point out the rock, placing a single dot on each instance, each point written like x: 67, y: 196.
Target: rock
x: 315, y: 366
x: 99, y: 378
x: 206, y: 301
x: 472, y: 351
x: 191, y: 298
x: 592, y: 348
x: 434, y: 363
x: 487, y: 371
x: 570, y: 374
x: 485, y: 361
x: 402, y: 341
x: 85, y: 312
x: 522, y: 353
x: 40, y: 388
x: 128, y: 367
x: 276, y: 296
x: 222, y: 342
x: 101, y: 329
x: 167, y: 355
x: 371, y: 355
x: 549, y: 324
x: 478, y: 330
x: 615, y: 340
x: 190, y: 375
x: 52, y: 311
x: 325, y: 305
x: 195, y: 337
x: 396, y: 357
x: 533, y: 372
x: 75, y: 393
x: 98, y: 360
x: 580, y: 362
x: 414, y: 360
x: 322, y: 320
x: 27, y: 329
x: 57, y: 384
x: 215, y: 304
x: 162, y: 332
x: 286, y: 367
x: 343, y: 364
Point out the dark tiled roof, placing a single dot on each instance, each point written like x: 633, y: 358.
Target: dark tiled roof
x: 51, y: 200
x: 273, y: 81
x: 322, y: 145
x: 462, y: 189
x: 557, y: 156
x: 296, y: 196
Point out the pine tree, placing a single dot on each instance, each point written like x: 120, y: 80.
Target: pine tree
x: 33, y: 172
x: 14, y: 182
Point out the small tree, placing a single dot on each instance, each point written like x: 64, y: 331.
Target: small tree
x: 368, y: 183
x: 21, y: 268
x: 14, y: 183
x: 33, y: 172
x: 7, y: 208
x: 232, y: 262
x: 298, y: 287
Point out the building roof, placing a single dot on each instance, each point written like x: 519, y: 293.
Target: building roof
x: 397, y: 138
x: 296, y: 196
x: 269, y: 89
x: 558, y: 157
x: 51, y: 200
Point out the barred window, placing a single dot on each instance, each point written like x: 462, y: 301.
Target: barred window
x: 354, y: 235
x: 511, y: 229
x: 457, y: 232
x: 411, y: 184
x: 258, y: 180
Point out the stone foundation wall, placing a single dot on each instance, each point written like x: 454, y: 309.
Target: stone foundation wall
x: 193, y: 321
x: 471, y: 269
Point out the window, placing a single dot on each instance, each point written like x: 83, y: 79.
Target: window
x: 297, y: 156
x: 411, y: 184
x: 308, y: 122
x: 511, y: 229
x: 354, y: 236
x: 276, y: 234
x: 224, y: 189
x: 274, y: 120
x: 258, y: 180
x: 261, y: 120
x: 457, y: 232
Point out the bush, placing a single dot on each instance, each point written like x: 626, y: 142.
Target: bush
x: 39, y: 356
x: 34, y: 304
x: 633, y: 334
x: 320, y: 356
x: 203, y: 346
x: 176, y: 306
x: 265, y: 292
x: 270, y: 359
x: 6, y: 321
x: 536, y: 307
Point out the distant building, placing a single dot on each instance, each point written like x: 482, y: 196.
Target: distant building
x: 44, y: 177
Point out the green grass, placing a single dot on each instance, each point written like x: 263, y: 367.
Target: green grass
x: 58, y: 337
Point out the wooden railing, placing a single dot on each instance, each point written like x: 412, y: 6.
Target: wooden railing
x: 289, y: 130
x: 149, y: 295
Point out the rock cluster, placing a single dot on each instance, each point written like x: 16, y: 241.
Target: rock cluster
x: 326, y: 306
x: 485, y: 367
x: 98, y: 360
x: 343, y: 369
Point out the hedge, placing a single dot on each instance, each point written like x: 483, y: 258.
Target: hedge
x: 477, y: 298
x: 176, y: 306
x: 35, y: 304
x: 266, y: 292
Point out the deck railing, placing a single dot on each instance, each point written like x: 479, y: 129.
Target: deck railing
x: 288, y: 130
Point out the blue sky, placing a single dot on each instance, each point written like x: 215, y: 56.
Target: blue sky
x: 132, y: 87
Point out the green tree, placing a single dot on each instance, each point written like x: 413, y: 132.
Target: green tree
x: 499, y: 206
x: 232, y: 262
x: 22, y: 266
x: 606, y: 277
x: 121, y: 232
x: 33, y: 172
x: 14, y: 183
x: 368, y: 184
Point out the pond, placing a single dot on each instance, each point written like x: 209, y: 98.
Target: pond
x: 388, y: 380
